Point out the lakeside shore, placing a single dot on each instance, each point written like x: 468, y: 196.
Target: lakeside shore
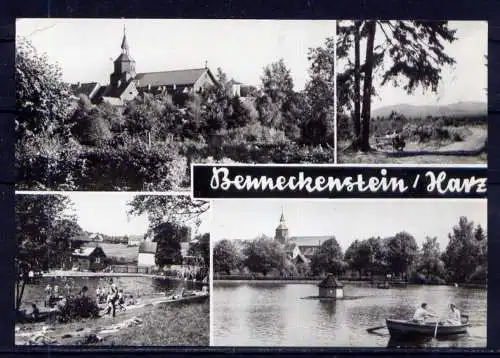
x: 61, y: 273
x: 316, y: 281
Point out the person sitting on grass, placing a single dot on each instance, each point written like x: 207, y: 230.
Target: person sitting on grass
x: 421, y: 314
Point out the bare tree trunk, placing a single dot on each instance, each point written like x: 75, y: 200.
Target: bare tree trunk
x: 357, y: 85
x: 19, y: 294
x: 367, y: 85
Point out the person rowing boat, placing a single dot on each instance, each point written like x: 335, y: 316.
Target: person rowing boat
x: 421, y: 314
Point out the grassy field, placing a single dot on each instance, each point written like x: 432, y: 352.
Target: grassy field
x: 177, y: 324
x: 119, y: 250
x: 184, y: 325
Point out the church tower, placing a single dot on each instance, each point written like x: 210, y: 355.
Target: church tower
x: 124, y: 69
x: 282, y: 230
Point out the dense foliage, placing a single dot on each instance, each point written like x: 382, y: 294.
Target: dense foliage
x: 463, y: 261
x: 68, y: 143
x: 407, y: 54
x: 43, y: 227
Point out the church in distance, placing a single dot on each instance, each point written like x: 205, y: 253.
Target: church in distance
x: 125, y: 83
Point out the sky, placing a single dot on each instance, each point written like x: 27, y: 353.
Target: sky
x: 106, y: 213
x: 347, y: 220
x: 86, y: 48
x: 467, y: 80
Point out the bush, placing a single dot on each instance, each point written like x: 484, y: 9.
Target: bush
x: 480, y: 276
x: 45, y: 162
x: 134, y: 167
x: 78, y: 307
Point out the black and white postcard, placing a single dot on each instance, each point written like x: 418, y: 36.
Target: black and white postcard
x: 112, y: 269
x: 412, y: 91
x: 350, y: 273
x: 110, y: 104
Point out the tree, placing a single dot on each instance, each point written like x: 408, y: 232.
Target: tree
x: 201, y: 248
x: 226, y: 257
x: 90, y: 126
x: 263, y: 255
x: 402, y: 252
x: 276, y: 104
x: 463, y: 254
x: 159, y: 208
x: 168, y: 236
x: 430, y: 259
x: 412, y: 53
x: 43, y: 231
x: 355, y: 259
x: 42, y: 98
x: 318, y: 122
x: 479, y: 234
x: 328, y: 258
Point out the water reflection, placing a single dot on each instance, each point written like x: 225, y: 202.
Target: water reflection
x: 266, y: 314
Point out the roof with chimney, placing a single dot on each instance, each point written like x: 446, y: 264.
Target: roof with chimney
x: 309, y: 241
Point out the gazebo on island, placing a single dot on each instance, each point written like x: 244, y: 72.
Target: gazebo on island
x: 330, y: 287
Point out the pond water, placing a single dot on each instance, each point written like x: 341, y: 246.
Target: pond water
x: 136, y: 286
x: 271, y: 314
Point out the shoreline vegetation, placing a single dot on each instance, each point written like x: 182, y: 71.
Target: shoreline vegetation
x: 345, y: 280
x: 395, y: 259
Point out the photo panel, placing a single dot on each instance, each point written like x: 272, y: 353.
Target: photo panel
x: 112, y: 269
x: 356, y: 273
x: 133, y: 110
x: 412, y: 91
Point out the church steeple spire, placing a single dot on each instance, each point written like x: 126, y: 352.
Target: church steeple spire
x: 124, y: 65
x: 124, y: 41
x: 282, y: 230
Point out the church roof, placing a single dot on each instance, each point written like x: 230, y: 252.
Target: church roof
x: 169, y: 78
x: 124, y: 57
x: 282, y: 226
x: 309, y: 241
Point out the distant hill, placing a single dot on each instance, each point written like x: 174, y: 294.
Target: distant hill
x: 459, y: 109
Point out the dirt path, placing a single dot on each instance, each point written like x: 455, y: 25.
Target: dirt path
x: 473, y: 145
x: 475, y: 142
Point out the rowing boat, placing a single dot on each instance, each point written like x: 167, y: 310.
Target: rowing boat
x: 402, y: 328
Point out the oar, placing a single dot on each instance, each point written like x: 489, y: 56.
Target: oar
x: 436, y: 329
x: 371, y: 330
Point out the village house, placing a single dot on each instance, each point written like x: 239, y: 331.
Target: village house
x: 89, y: 259
x: 125, y: 84
x: 298, y: 248
x: 147, y: 252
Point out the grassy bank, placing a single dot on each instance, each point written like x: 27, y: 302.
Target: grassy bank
x: 161, y: 325
x: 184, y: 325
